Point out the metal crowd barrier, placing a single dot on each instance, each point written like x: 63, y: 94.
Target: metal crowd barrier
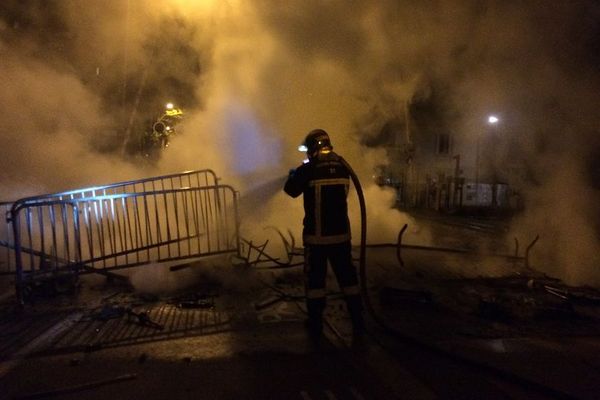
x: 196, y: 178
x: 7, y: 263
x: 100, y: 229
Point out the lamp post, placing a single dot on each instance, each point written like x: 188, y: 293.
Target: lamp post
x: 491, y: 121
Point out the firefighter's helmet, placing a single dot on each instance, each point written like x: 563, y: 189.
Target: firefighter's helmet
x: 315, y: 141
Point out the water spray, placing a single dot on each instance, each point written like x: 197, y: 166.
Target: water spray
x: 262, y: 192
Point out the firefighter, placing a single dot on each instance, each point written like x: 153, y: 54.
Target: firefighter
x: 324, y: 181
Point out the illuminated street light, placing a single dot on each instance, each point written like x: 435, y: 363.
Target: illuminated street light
x: 169, y: 106
x: 492, y: 119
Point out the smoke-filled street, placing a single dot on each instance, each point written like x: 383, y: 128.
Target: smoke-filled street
x: 300, y: 199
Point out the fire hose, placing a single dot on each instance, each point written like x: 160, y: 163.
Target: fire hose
x: 362, y: 271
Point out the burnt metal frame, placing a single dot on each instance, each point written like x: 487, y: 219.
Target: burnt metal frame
x: 262, y: 257
x: 515, y: 257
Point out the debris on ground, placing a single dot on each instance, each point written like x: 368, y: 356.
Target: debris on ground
x: 143, y: 318
x: 111, y: 311
x: 195, y: 300
x: 492, y: 306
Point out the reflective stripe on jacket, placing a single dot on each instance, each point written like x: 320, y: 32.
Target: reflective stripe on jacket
x: 324, y: 181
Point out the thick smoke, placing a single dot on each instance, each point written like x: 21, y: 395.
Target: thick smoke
x: 255, y: 77
x: 48, y: 128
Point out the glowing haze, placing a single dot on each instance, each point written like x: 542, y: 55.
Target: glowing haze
x: 255, y: 76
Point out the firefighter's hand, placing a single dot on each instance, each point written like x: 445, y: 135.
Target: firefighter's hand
x: 291, y: 173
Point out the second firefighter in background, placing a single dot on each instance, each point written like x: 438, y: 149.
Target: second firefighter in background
x: 324, y: 181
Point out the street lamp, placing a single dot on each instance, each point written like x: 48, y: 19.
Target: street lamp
x: 491, y: 120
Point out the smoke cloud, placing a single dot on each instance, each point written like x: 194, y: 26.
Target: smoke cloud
x: 253, y: 77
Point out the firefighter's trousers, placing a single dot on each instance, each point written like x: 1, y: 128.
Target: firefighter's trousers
x: 315, y: 268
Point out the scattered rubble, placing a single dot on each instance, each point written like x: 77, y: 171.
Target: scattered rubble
x: 195, y: 300
x: 111, y: 311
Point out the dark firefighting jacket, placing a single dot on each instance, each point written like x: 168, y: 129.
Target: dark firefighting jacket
x: 324, y: 181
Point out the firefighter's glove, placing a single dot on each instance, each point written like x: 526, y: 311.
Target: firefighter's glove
x: 291, y: 173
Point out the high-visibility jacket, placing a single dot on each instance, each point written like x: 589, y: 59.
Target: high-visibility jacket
x: 324, y: 181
